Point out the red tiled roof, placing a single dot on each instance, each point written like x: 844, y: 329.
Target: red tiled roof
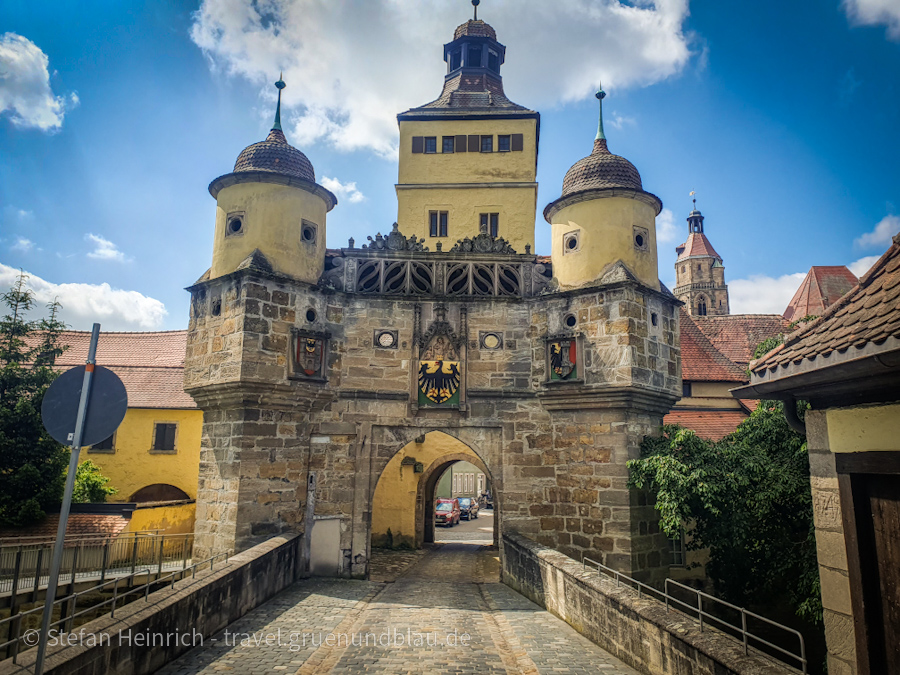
x: 868, y: 314
x: 711, y: 424
x: 696, y: 245
x: 749, y: 404
x: 700, y: 360
x: 151, y: 365
x: 737, y: 335
x: 822, y: 287
x: 79, y: 525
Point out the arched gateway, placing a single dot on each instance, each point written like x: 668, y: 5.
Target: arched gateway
x: 327, y: 362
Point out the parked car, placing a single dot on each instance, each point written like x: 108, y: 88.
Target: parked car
x: 446, y: 512
x: 468, y: 508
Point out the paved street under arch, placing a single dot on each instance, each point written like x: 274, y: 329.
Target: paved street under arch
x: 447, y: 601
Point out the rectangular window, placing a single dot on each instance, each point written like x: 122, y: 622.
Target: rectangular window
x: 685, y: 389
x: 487, y: 143
x: 455, y: 483
x: 517, y: 142
x: 474, y: 57
x: 676, y: 547
x: 490, y: 223
x: 447, y: 144
x: 164, y: 436
x: 480, y: 483
x: 106, y: 445
x: 460, y: 144
x: 418, y: 144
x: 493, y: 61
x: 430, y: 145
x: 437, y: 223
x: 474, y: 143
x: 503, y: 143
x: 455, y: 59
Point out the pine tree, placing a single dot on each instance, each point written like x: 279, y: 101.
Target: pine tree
x: 32, y: 464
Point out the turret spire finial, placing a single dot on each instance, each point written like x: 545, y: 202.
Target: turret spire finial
x: 694, y: 195
x: 280, y: 85
x: 600, y: 96
x: 475, y: 4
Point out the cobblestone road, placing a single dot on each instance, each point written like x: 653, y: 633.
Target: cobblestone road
x: 440, y: 611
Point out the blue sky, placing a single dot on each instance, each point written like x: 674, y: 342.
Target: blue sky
x: 115, y: 116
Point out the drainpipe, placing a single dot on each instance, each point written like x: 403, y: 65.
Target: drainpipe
x: 790, y: 414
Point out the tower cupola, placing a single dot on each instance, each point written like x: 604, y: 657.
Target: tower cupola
x: 271, y: 205
x: 604, y: 216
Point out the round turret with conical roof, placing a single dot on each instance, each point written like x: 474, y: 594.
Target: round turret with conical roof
x: 271, y: 210
x: 604, y: 216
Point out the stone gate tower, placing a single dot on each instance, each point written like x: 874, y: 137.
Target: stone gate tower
x: 332, y: 369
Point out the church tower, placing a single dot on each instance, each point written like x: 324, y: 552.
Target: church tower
x: 468, y: 160
x: 699, y: 273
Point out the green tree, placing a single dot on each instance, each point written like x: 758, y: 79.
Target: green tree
x: 747, y: 499
x: 32, y: 464
x: 91, y: 485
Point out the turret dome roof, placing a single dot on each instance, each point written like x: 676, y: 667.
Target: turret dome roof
x: 276, y: 155
x: 601, y: 169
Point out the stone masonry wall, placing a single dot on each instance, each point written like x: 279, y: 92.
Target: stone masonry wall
x: 556, y: 452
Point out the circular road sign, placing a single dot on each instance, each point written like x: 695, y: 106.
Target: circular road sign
x: 106, y: 406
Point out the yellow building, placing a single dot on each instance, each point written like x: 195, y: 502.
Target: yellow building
x: 154, y: 455
x: 468, y: 160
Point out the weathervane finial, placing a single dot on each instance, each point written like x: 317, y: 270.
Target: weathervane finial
x: 280, y: 85
x: 475, y: 4
x: 694, y: 195
x: 600, y: 96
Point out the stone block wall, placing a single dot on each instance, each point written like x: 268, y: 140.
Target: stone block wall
x: 637, y: 630
x: 830, y: 548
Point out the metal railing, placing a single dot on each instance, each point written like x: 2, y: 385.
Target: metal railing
x: 697, y: 608
x: 25, y: 568
x: 68, y: 614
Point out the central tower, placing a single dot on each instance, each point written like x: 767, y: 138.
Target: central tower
x: 468, y: 160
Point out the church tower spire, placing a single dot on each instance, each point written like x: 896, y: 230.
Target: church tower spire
x: 699, y: 272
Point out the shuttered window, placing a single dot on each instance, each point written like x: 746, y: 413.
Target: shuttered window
x: 164, y: 436
x: 517, y: 142
x: 418, y: 144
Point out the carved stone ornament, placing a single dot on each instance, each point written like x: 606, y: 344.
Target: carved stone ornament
x: 482, y: 243
x: 395, y: 241
x: 440, y: 341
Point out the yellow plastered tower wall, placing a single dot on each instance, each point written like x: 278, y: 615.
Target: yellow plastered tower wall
x: 604, y: 218
x: 468, y: 160
x: 271, y: 206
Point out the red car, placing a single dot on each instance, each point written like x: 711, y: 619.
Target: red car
x: 446, y: 512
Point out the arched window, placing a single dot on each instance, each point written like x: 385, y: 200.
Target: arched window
x: 701, y: 306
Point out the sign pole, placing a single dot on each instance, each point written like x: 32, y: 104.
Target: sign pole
x: 56, y: 562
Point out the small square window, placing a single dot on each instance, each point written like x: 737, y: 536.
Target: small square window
x: 503, y: 143
x: 437, y: 223
x: 430, y: 145
x: 164, y: 436
x: 447, y: 145
x: 487, y: 143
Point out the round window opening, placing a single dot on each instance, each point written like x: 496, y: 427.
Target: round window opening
x: 311, y: 315
x: 571, y: 243
x: 570, y: 320
x: 235, y: 225
x: 639, y: 240
x: 308, y: 234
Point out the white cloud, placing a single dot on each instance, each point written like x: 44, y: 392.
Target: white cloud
x: 340, y: 189
x: 104, y: 249
x: 619, y: 122
x: 665, y: 227
x: 862, y: 265
x: 25, y: 86
x: 22, y: 245
x: 881, y: 235
x: 352, y: 66
x: 83, y: 304
x: 763, y: 295
x: 875, y: 12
